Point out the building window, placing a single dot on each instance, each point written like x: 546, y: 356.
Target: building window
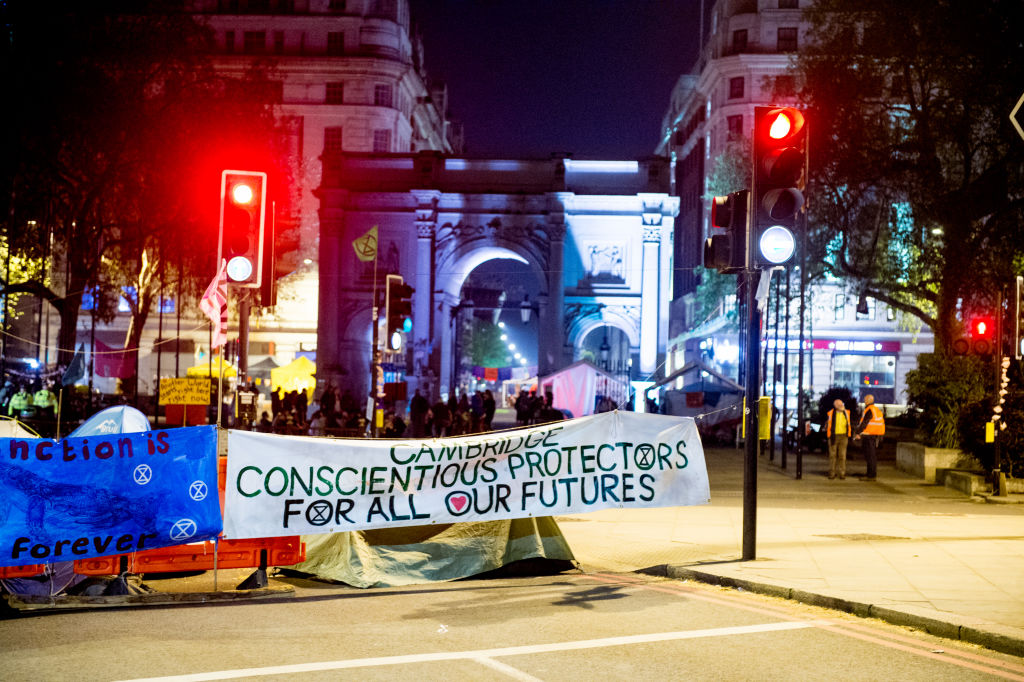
x: 787, y: 39
x: 382, y: 96
x: 332, y: 139
x: 278, y: 42
x: 890, y: 313
x: 229, y: 41
x: 335, y: 43
x: 736, y: 87
x: 735, y: 124
x: 840, y: 307
x: 739, y: 40
x: 336, y: 5
x: 789, y: 4
x: 866, y: 374
x: 254, y: 42
x: 335, y: 93
x: 870, y: 314
x: 382, y: 141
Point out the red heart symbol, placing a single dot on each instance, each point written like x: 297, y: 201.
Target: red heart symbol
x: 458, y: 502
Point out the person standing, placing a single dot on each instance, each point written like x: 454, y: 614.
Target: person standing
x: 419, y: 406
x: 838, y: 433
x: 872, y: 426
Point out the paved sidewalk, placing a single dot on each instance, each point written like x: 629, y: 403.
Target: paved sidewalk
x: 897, y: 548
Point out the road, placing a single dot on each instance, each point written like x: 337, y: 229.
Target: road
x: 565, y: 627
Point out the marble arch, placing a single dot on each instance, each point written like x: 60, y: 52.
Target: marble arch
x: 597, y: 236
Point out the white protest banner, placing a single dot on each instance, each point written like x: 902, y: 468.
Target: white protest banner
x: 288, y: 485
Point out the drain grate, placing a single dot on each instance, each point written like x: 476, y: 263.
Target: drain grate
x: 865, y: 537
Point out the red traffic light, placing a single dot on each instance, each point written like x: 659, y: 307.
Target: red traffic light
x: 982, y: 328
x: 783, y: 124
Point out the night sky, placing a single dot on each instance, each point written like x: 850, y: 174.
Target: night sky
x: 528, y: 78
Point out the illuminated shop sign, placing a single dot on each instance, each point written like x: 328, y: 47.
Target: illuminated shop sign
x: 841, y: 346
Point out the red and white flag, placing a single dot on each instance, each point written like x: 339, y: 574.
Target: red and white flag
x: 215, y: 304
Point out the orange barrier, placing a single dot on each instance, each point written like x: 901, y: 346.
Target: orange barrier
x: 35, y: 569
x: 198, y: 556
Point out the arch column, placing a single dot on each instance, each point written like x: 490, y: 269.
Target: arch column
x: 329, y: 361
x: 551, y: 340
x: 649, y: 300
x: 426, y: 226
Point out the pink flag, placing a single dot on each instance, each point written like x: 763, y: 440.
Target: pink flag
x: 215, y: 304
x: 113, y: 362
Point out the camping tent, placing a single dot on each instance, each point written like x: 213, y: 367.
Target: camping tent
x: 12, y: 428
x: 203, y: 369
x: 704, y: 392
x: 297, y: 375
x: 577, y: 387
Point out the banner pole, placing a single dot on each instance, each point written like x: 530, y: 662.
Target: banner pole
x: 216, y: 551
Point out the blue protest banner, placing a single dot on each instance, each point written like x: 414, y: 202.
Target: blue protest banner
x: 106, y: 494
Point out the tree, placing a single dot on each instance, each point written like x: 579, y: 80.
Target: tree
x: 916, y: 181
x: 114, y: 151
x: 485, y: 347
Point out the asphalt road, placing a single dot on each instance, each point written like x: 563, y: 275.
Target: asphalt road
x: 565, y: 627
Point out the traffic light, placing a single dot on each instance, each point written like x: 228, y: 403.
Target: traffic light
x: 243, y: 209
x: 727, y: 252
x: 779, y: 177
x: 983, y: 332
x: 398, y: 310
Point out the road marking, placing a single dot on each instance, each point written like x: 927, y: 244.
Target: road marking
x: 952, y: 656
x: 482, y: 653
x: 514, y: 673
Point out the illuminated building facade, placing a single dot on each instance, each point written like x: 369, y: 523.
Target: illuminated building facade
x: 743, y: 63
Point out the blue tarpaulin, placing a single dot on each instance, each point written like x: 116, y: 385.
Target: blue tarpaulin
x: 106, y: 494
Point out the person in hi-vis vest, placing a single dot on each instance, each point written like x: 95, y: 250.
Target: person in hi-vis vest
x: 872, y: 427
x: 838, y: 433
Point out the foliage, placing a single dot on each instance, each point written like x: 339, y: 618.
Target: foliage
x: 1010, y: 439
x: 711, y: 296
x: 486, y: 349
x: 829, y: 397
x: 117, y: 161
x: 730, y: 170
x: 916, y: 184
x: 943, y: 388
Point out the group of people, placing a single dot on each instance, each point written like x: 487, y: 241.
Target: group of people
x: 839, y: 430
x: 24, y: 400
x: 334, y: 413
x: 454, y: 417
x: 532, y: 409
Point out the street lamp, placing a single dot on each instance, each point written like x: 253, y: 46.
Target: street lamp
x: 524, y: 309
x: 604, y: 350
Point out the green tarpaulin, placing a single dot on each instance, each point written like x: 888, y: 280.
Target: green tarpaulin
x: 390, y: 557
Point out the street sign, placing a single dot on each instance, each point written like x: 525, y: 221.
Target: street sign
x: 1013, y: 117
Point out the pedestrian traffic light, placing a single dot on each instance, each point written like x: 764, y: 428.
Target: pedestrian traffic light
x: 779, y: 177
x: 243, y: 207
x: 983, y: 336
x: 727, y: 252
x: 397, y: 310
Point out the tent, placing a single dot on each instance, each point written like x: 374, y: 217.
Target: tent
x: 297, y: 375
x: 203, y: 369
x: 705, y: 392
x: 413, y: 555
x: 12, y: 428
x: 577, y: 388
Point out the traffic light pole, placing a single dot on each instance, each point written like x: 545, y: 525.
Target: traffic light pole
x: 753, y: 323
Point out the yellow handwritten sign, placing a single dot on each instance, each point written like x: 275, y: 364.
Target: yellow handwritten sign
x: 184, y: 391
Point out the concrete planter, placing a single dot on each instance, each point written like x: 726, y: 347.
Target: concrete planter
x: 921, y: 461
